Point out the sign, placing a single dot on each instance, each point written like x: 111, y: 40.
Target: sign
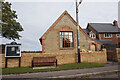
x: 13, y: 50
x: 77, y: 27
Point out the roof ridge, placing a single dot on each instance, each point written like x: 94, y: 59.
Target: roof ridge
x: 99, y: 23
x: 104, y: 27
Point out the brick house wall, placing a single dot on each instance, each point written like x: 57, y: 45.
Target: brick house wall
x: 51, y: 39
x: 114, y: 38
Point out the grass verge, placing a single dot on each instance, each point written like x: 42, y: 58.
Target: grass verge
x: 61, y: 67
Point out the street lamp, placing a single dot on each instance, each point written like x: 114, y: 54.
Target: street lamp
x: 78, y: 45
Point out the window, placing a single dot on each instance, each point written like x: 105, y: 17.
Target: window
x: 66, y: 39
x: 118, y: 35
x: 107, y: 35
x: 92, y: 35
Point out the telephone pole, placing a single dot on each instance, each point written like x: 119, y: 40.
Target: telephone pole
x: 78, y: 45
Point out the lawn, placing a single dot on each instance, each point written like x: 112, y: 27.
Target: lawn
x: 61, y: 67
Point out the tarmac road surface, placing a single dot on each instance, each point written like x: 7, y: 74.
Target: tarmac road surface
x: 64, y: 73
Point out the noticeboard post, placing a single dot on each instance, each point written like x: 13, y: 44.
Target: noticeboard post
x: 12, y: 50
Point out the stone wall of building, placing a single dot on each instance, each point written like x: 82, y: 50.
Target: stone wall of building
x: 65, y: 23
x: 62, y: 58
x: 51, y: 41
x: 85, y: 42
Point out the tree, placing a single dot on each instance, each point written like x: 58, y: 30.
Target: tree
x: 10, y: 27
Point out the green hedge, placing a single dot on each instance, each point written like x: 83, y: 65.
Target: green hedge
x: 31, y: 51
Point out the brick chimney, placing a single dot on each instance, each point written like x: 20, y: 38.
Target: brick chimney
x: 115, y: 23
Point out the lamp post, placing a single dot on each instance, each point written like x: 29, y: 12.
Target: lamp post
x: 78, y: 45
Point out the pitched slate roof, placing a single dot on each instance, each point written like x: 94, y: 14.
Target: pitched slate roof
x: 86, y: 30
x: 104, y: 27
x: 107, y: 41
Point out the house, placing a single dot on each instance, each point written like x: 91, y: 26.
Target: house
x: 106, y: 33
x: 61, y: 37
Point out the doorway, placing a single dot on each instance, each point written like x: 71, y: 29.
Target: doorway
x: 93, y: 47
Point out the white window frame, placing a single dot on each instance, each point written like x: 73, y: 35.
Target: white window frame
x: 92, y: 35
x: 107, y: 36
x: 117, y: 35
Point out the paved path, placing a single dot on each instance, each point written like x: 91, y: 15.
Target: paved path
x: 62, y: 74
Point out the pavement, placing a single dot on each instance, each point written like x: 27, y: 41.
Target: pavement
x: 109, y: 68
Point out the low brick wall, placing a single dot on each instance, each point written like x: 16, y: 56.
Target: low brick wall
x: 118, y: 54
x: 111, y: 54
x: 96, y: 57
x: 63, y: 58
x: 114, y: 55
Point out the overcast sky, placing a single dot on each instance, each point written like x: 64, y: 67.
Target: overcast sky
x: 37, y: 17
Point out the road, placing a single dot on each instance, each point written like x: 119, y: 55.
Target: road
x: 108, y: 75
x: 64, y: 73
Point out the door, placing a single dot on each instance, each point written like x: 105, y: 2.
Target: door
x: 93, y: 47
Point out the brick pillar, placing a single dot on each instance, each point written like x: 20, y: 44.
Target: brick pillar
x: 117, y: 50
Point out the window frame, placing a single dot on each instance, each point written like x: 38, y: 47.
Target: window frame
x: 63, y: 47
x: 118, y: 36
x: 107, y: 36
x: 92, y: 35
